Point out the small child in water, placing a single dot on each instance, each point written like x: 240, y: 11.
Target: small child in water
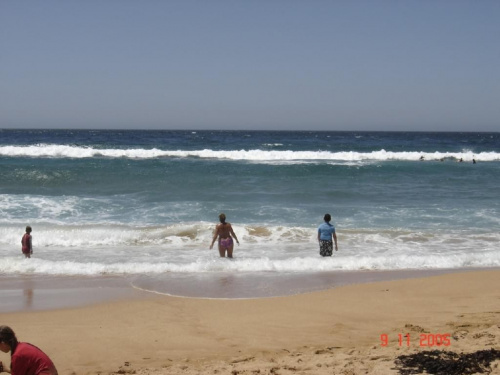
x: 26, y: 242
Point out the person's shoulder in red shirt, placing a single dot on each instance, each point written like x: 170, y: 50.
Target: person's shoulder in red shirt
x: 30, y: 360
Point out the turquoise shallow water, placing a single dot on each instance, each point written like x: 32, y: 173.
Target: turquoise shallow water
x: 135, y: 203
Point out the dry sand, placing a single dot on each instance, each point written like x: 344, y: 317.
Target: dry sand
x: 336, y: 331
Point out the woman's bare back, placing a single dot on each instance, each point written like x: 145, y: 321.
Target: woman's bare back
x: 224, y: 230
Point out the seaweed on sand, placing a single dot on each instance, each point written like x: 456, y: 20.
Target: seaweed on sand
x: 438, y: 362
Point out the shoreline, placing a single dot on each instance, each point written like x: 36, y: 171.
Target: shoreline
x: 271, y: 284
x: 38, y: 293
x: 44, y: 293
x: 331, y: 331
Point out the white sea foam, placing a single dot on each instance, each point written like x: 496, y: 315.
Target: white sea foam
x: 40, y: 266
x: 123, y: 250
x: 62, y: 151
x: 99, y: 235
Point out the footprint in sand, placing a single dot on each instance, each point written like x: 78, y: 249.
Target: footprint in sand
x: 415, y: 328
x: 458, y: 335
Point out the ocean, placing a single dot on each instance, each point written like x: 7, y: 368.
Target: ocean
x: 142, y: 205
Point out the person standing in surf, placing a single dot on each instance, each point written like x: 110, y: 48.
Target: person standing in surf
x: 224, y: 232
x: 326, y: 232
x: 27, y: 248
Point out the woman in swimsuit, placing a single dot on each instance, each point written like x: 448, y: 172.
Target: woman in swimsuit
x: 224, y: 231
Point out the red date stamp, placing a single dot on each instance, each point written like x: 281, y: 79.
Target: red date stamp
x: 424, y: 339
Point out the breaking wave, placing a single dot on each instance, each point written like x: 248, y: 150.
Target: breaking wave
x: 64, y: 151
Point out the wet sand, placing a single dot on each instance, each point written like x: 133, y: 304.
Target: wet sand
x: 334, y: 331
x: 32, y: 293
x: 35, y: 293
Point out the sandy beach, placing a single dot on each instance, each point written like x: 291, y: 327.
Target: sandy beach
x: 353, y: 329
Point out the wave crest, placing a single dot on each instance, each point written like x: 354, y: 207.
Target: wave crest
x: 66, y: 151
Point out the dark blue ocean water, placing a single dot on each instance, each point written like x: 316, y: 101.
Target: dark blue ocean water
x: 146, y: 202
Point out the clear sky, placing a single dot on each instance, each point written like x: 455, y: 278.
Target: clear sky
x: 250, y: 64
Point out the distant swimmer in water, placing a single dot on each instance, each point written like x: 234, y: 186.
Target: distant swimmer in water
x: 26, y: 242
x: 326, y: 232
x: 473, y: 161
x: 422, y: 158
x: 224, y: 232
x: 461, y: 160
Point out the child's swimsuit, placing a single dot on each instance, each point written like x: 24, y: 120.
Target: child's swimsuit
x: 26, y: 243
x: 225, y: 242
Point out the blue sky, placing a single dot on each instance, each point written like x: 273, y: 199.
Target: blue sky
x: 256, y: 64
